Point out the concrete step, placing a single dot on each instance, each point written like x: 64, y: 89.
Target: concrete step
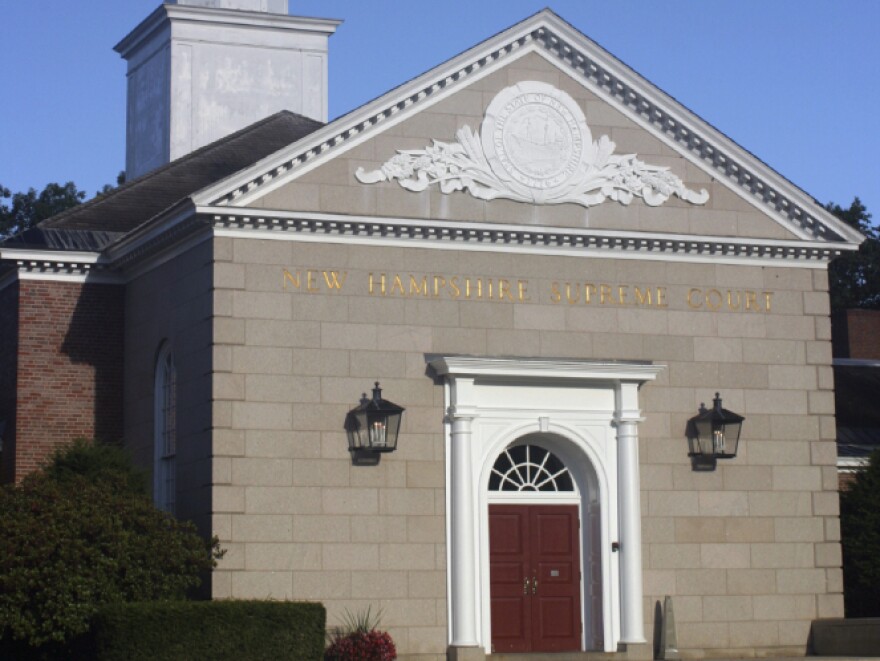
x: 557, y: 656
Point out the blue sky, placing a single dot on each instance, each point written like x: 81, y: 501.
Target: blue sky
x: 796, y: 82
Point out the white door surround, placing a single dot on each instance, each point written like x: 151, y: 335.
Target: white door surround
x: 585, y: 412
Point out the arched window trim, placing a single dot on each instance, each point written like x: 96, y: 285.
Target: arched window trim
x: 165, y: 431
x: 530, y: 468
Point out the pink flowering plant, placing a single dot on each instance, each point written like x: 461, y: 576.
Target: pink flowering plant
x: 358, y: 639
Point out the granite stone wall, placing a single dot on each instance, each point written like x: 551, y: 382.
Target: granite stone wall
x: 750, y: 552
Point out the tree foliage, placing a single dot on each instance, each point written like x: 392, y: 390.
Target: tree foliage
x: 854, y: 278
x: 81, y: 534
x: 29, y: 208
x: 860, y: 532
x: 26, y: 209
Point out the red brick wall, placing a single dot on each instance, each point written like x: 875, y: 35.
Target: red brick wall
x: 856, y: 334
x: 69, y: 368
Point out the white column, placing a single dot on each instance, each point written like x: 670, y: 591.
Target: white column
x: 627, y: 419
x: 463, y: 555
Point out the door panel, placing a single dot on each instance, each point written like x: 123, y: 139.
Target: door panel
x: 508, y: 565
x: 534, y: 559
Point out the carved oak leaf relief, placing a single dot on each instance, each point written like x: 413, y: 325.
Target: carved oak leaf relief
x: 534, y: 146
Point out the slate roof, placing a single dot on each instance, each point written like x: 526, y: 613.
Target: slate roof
x: 105, y: 218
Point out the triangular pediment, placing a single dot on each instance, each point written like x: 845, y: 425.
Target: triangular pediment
x: 658, y: 171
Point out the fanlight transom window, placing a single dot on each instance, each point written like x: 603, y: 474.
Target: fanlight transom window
x: 529, y: 468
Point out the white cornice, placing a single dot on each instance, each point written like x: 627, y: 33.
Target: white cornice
x: 487, y: 237
x: 56, y: 266
x: 166, y: 13
x: 603, y: 74
x: 475, y: 366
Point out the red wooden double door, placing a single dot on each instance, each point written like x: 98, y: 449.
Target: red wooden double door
x: 534, y: 561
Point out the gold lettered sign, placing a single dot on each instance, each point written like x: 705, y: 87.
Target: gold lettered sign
x: 508, y: 290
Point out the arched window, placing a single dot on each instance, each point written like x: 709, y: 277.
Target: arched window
x: 529, y: 468
x: 165, y: 432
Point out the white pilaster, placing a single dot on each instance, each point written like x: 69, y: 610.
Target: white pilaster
x: 627, y: 418
x: 463, y: 549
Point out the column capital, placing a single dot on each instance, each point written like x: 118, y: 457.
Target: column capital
x: 460, y: 413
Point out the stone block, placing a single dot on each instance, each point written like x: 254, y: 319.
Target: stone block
x: 821, y: 402
x: 262, y: 528
x: 817, y: 303
x: 727, y: 608
x: 282, y: 557
x: 379, y: 585
x: 350, y: 556
x: 407, y: 556
x: 799, y: 529
x: 699, y: 529
x: 780, y: 452
x: 262, y: 472
x: 784, y: 607
x: 823, y: 453
x: 747, y: 478
x: 724, y: 503
x: 662, y: 503
x: 228, y: 499
x: 831, y: 605
x: 323, y: 585
x: 776, y: 352
x: 749, y: 529
x: 378, y: 529
x: 265, y: 443
x: 349, y: 501
x: 725, y: 556
x: 797, y: 478
x: 408, y: 501
x: 751, y: 581
x: 793, y: 377
x: 782, y: 556
x: 754, y: 634
x: 659, y: 582
x: 793, y: 402
x: 426, y: 584
x: 718, y: 350
x: 800, y: 581
x: 262, y: 585
x: 704, y: 635
x: 673, y: 556
x: 698, y: 582
x: 832, y: 529
x: 321, y: 528
x: 282, y: 500
x: 818, y: 353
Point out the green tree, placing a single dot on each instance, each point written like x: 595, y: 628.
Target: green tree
x: 81, y: 534
x: 27, y: 209
x: 854, y: 278
x: 860, y: 532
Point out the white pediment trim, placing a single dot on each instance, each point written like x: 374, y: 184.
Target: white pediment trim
x: 554, y: 39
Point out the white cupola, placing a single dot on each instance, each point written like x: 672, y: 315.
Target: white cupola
x: 199, y: 70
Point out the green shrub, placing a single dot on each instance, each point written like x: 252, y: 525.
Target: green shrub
x: 97, y: 462
x: 216, y: 630
x: 73, y: 541
x: 860, y: 535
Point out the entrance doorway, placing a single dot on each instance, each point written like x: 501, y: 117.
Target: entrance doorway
x: 535, y: 578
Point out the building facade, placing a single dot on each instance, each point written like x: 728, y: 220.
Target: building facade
x: 550, y: 264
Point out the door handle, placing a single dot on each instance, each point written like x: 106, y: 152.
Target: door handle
x: 526, y: 585
x: 534, y: 585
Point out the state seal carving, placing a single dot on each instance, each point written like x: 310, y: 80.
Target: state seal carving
x: 533, y: 136
x: 534, y: 146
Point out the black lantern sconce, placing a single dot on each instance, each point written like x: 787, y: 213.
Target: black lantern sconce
x: 372, y: 427
x: 713, y: 434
